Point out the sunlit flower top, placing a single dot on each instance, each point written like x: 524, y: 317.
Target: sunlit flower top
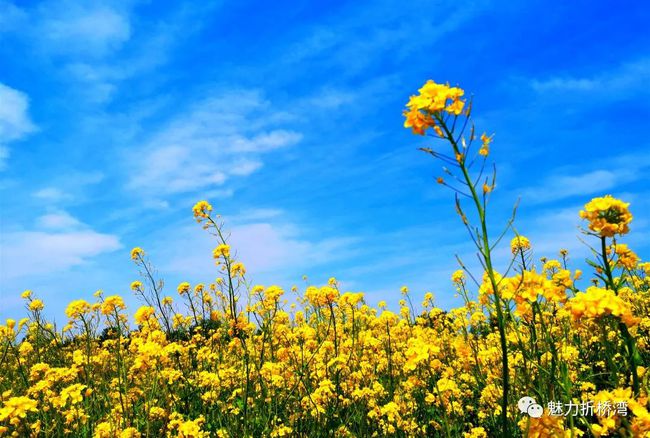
x: 112, y: 304
x: 607, y: 216
x: 201, y: 210
x: 519, y: 244
x: 596, y: 302
x: 433, y: 99
x: 143, y: 314
x: 137, y: 253
x: 77, y: 309
x: 221, y: 251
x: 183, y: 288
x: 36, y: 305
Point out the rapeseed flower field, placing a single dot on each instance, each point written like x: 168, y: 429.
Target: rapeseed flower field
x: 532, y: 352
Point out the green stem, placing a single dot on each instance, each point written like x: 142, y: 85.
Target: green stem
x: 485, y: 252
x: 630, y: 345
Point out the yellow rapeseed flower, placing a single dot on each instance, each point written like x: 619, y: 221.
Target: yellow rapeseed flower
x: 137, y: 253
x: 183, y: 288
x: 485, y: 144
x: 519, y: 244
x: 143, y: 314
x: 607, y: 216
x: 433, y: 99
x: 112, y: 304
x: 596, y: 302
x: 77, y: 308
x: 36, y: 305
x: 201, y: 210
x: 222, y: 250
x: 17, y: 407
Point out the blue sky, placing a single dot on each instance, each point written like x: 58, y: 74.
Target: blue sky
x: 115, y: 117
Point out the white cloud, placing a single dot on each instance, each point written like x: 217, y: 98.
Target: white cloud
x: 4, y: 156
x: 245, y: 167
x: 615, y: 83
x: 78, y: 37
x: 59, y: 242
x: 331, y: 99
x: 257, y: 214
x: 215, y: 139
x: 28, y: 253
x: 156, y: 204
x: 267, y: 247
x: 574, y: 181
x: 51, y: 194
x: 216, y: 194
x: 15, y: 123
x: 89, y: 29
x: 559, y: 187
x: 58, y: 220
x: 68, y: 187
x: 550, y: 230
x: 266, y: 141
x: 270, y: 251
x: 14, y: 119
x: 346, y: 42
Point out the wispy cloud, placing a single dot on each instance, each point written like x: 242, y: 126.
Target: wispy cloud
x: 70, y: 29
x: 346, y: 36
x: 215, y: 139
x: 575, y: 181
x: 558, y: 187
x: 67, y: 188
x: 15, y: 122
x: 99, y: 44
x: 271, y: 251
x: 89, y: 29
x: 614, y: 83
x: 58, y: 220
x: 51, y: 194
x: 59, y: 243
x: 257, y: 214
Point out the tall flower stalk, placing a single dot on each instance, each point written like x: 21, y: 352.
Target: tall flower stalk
x: 607, y: 218
x: 441, y: 108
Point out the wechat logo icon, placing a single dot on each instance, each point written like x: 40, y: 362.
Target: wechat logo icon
x: 528, y: 405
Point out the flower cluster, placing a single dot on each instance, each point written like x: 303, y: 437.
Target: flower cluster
x: 519, y: 244
x: 607, y: 216
x: 431, y: 102
x: 201, y: 210
x: 596, y: 302
x: 407, y: 373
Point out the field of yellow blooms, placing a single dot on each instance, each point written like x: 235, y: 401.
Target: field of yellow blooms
x: 245, y: 361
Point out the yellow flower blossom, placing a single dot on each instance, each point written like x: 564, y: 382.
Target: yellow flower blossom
x: 137, y: 253
x: 77, y: 309
x: 112, y: 304
x: 597, y: 302
x: 36, y: 305
x: 201, y: 210
x: 143, y: 314
x: 221, y: 251
x: 607, y: 216
x: 519, y: 244
x: 17, y: 408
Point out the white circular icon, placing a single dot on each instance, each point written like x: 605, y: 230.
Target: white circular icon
x: 535, y: 410
x: 524, y: 403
